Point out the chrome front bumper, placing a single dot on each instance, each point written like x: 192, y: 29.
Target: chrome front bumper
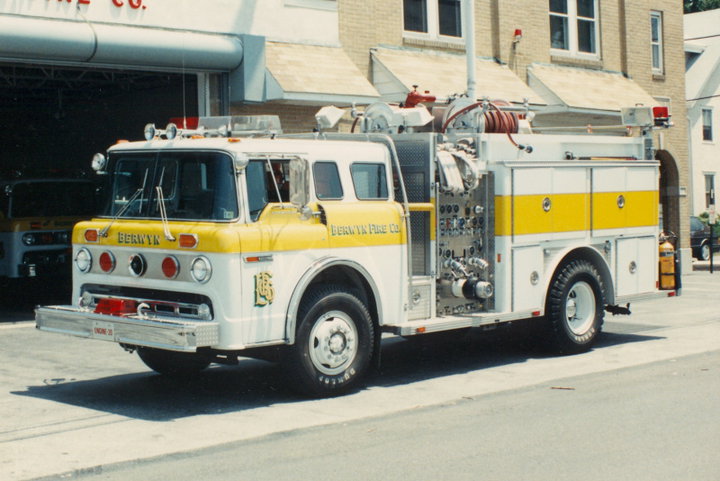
x: 158, y: 332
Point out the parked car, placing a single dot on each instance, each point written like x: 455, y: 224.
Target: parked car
x: 700, y: 239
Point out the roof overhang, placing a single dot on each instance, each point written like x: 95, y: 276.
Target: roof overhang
x: 586, y: 92
x: 396, y: 72
x: 314, y: 74
x: 73, y: 43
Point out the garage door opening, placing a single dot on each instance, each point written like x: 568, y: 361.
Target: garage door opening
x: 57, y: 118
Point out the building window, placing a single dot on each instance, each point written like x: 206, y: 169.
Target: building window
x: 709, y: 189
x: 707, y: 125
x: 656, y: 41
x: 434, y: 18
x: 574, y: 27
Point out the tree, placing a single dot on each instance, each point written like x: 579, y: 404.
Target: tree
x: 692, y: 6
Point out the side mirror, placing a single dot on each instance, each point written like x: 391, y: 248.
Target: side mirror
x: 300, y: 184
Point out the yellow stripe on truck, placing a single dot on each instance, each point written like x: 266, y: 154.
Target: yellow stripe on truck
x: 639, y: 209
x: 277, y: 229
x: 524, y: 214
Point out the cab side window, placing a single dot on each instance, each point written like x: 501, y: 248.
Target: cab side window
x: 370, y: 181
x: 327, y: 181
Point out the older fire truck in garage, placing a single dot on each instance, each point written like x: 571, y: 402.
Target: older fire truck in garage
x: 233, y: 240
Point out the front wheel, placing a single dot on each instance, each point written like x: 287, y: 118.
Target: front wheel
x: 333, y: 345
x: 575, y: 307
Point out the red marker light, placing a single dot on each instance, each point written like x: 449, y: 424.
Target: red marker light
x: 107, y: 262
x: 170, y: 267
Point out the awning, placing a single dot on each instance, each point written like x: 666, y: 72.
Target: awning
x: 581, y: 89
x: 315, y: 75
x: 396, y: 71
x: 62, y: 42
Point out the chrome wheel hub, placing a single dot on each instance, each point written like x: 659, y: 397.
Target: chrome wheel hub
x: 580, y: 308
x: 333, y: 343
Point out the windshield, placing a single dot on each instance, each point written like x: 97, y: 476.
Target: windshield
x: 51, y: 199
x: 195, y: 185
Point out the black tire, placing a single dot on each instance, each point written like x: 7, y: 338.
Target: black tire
x: 172, y: 363
x: 334, y: 343
x: 575, y: 308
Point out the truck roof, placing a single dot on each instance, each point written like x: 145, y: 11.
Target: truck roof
x: 316, y: 148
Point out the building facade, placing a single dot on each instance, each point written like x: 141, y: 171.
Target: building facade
x: 702, y: 54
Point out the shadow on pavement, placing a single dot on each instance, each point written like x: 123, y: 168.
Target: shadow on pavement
x: 253, y: 383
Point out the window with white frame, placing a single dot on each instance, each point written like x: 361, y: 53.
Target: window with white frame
x: 432, y: 18
x: 574, y: 27
x: 707, y: 125
x: 656, y: 41
x: 709, y: 189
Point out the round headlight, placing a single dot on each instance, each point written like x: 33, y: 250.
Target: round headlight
x: 28, y: 239
x: 83, y: 260
x: 136, y: 265
x: 201, y: 270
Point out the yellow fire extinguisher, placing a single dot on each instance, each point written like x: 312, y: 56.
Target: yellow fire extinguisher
x: 667, y: 265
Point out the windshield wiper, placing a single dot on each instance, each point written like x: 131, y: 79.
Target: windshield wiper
x: 163, y: 213
x: 104, y: 230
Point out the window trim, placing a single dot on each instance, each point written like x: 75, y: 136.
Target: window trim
x: 712, y: 125
x: 572, y: 15
x: 433, y: 23
x: 709, y: 194
x: 660, y: 69
x: 339, y: 178
x: 388, y: 187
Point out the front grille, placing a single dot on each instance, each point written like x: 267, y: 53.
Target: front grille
x: 153, y: 302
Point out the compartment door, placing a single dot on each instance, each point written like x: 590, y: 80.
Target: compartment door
x: 527, y: 266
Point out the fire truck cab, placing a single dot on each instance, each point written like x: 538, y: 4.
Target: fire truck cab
x: 214, y: 244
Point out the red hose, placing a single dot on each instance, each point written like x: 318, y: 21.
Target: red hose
x: 496, y: 121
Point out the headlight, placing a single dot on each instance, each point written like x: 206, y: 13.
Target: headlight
x: 137, y: 265
x: 201, y: 270
x: 28, y: 239
x: 83, y: 260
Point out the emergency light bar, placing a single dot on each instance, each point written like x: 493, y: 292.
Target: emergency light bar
x: 217, y: 126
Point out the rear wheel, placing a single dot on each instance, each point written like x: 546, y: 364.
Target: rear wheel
x: 575, y: 307
x: 333, y: 344
x: 172, y: 363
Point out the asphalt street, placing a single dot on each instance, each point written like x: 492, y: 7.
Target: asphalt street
x: 74, y: 408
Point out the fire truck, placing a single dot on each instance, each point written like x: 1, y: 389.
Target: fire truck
x: 232, y: 240
x: 37, y: 214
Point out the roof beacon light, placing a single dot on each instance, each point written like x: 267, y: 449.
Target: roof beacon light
x: 661, y: 114
x: 171, y: 131
x: 149, y: 131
